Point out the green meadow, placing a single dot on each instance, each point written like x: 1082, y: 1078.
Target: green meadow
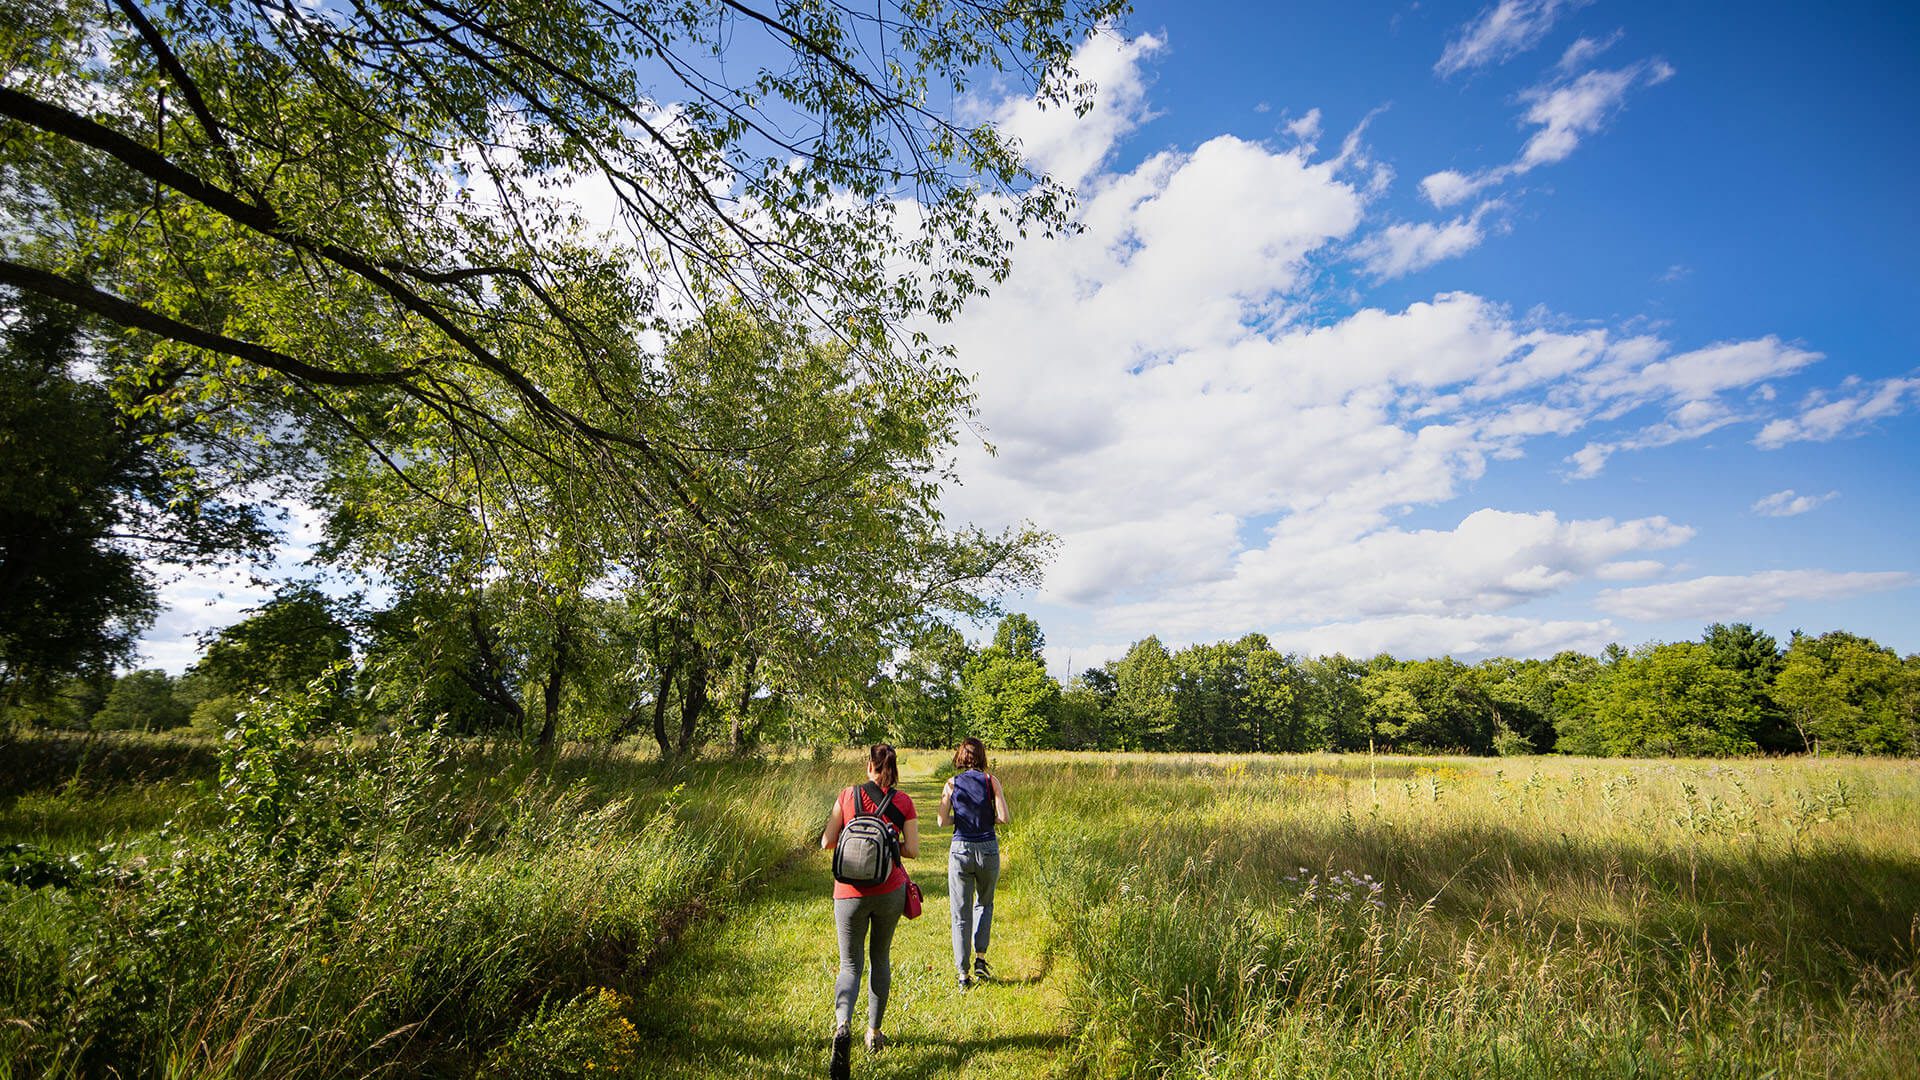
x: 173, y: 907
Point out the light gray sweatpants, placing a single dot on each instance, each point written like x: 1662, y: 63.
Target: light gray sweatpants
x: 860, y: 921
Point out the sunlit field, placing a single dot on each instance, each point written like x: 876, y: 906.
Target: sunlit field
x: 1354, y: 916
x: 461, y: 911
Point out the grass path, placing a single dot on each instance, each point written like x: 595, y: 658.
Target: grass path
x: 752, y: 995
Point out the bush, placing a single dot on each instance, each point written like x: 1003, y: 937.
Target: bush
x: 588, y: 1036
x: 1510, y: 743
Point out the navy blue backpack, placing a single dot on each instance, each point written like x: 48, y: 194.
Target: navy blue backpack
x: 973, y: 806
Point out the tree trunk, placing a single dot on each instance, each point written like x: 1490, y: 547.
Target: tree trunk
x: 556, y: 679
x: 488, y: 683
x: 738, y: 742
x: 693, y: 698
x: 660, y: 693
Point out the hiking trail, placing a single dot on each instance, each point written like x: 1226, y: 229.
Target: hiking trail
x: 751, y: 994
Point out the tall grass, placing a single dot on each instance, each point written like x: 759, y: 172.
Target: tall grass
x: 377, y: 907
x: 1325, y: 916
x: 426, y: 908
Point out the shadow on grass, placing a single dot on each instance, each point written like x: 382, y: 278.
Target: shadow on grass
x: 1815, y: 913
x: 912, y: 1056
x: 96, y: 761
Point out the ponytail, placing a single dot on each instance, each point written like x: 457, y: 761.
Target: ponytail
x: 882, y: 760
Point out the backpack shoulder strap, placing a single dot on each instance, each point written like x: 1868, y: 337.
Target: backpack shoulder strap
x: 875, y: 795
x: 884, y: 805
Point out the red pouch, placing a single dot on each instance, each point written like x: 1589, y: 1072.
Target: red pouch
x: 913, y: 900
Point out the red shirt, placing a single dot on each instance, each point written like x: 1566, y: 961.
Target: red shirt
x: 898, y: 879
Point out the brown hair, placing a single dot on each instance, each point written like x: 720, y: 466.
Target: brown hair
x: 970, y: 754
x: 881, y: 759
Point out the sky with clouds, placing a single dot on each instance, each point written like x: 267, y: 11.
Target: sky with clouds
x: 1467, y: 329
x: 1452, y: 328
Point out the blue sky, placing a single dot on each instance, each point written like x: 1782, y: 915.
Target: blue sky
x: 1493, y: 328
x: 1452, y: 328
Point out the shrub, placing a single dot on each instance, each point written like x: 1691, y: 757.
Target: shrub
x: 588, y: 1036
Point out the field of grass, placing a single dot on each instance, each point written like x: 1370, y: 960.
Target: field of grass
x: 1341, y: 916
x: 459, y: 911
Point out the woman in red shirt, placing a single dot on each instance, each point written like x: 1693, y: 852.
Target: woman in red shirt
x: 866, y: 915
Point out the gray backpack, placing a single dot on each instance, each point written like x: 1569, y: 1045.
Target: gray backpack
x: 869, y: 845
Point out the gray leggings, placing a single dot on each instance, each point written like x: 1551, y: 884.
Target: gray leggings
x: 854, y: 918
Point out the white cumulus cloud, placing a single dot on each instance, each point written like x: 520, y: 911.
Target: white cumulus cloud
x: 1567, y: 111
x: 1219, y: 457
x: 1464, y: 637
x: 1068, y: 147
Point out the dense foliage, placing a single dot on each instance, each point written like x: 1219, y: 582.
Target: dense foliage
x: 94, y: 498
x: 1734, y: 692
x: 399, y: 906
x: 632, y: 464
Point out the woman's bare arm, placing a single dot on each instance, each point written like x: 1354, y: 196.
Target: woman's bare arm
x: 910, y: 843
x: 1000, y: 814
x: 834, y: 824
x: 945, y: 814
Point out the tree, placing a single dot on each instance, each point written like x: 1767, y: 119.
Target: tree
x: 445, y: 653
x: 1428, y: 704
x: 927, y: 689
x: 357, y: 218
x: 284, y: 646
x: 141, y: 701
x: 1209, y: 699
x: 1143, y: 708
x: 1847, y: 694
x: 92, y: 501
x: 1519, y: 695
x: 826, y: 554
x: 1395, y: 712
x: 1010, y: 698
x: 1335, y: 703
x: 68, y: 705
x: 1079, y: 719
x: 1020, y: 638
x: 1277, y: 716
x: 1755, y: 656
x: 1575, y: 678
x: 1666, y: 699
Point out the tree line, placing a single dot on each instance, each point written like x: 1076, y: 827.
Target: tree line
x: 1735, y: 691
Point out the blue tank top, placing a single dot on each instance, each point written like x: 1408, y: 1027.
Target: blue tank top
x: 973, y: 807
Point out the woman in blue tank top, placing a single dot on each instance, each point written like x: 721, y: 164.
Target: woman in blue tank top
x: 973, y: 803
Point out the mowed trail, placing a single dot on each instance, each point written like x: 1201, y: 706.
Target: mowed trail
x: 751, y: 994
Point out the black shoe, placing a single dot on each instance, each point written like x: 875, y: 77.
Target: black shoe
x: 966, y: 984
x: 980, y: 968
x: 840, y: 1065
